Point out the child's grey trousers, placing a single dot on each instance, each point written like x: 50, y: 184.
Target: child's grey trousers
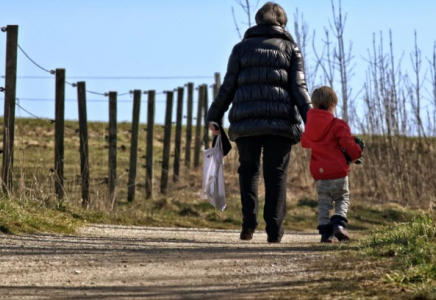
x: 329, y: 191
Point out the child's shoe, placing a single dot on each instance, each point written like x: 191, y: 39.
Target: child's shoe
x: 340, y: 233
x: 339, y: 225
x: 327, y: 238
x: 326, y: 231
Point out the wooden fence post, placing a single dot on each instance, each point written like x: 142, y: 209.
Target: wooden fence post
x: 205, y: 109
x: 167, y: 143
x: 59, y: 132
x: 178, y: 139
x: 9, y: 111
x: 214, y: 91
x: 83, y: 132
x: 189, y: 124
x: 216, y: 85
x: 217, y: 76
x: 198, y: 128
x: 134, y: 146
x: 149, y: 164
x: 112, y: 146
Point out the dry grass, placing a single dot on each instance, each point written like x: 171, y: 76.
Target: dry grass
x: 181, y: 206
x: 393, y: 171
x: 391, y: 181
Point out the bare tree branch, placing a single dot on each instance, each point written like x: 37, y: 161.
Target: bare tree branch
x: 432, y: 64
x: 248, y: 10
x: 328, y: 73
x: 302, y: 35
x: 236, y: 24
x: 415, y: 58
x: 341, y: 56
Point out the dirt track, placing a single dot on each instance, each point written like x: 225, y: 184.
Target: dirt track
x: 108, y: 262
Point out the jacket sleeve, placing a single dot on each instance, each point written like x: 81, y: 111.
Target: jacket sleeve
x: 346, y: 140
x: 303, y: 141
x: 297, y: 82
x: 227, y: 90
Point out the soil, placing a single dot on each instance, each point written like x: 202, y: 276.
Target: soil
x: 120, y: 262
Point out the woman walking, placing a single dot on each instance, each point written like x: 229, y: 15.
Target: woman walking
x: 265, y: 84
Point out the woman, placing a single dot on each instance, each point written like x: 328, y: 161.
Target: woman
x: 266, y: 86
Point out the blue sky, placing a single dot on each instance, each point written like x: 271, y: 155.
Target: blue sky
x: 172, y: 38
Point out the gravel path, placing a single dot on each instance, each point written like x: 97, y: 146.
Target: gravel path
x: 120, y: 262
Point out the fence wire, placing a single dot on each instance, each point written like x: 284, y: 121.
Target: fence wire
x: 76, y: 180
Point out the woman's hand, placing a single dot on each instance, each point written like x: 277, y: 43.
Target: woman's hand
x: 214, y: 128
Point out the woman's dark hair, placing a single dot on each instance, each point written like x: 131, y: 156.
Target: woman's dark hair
x: 271, y: 14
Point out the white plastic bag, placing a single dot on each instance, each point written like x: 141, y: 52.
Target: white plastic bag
x: 213, y: 188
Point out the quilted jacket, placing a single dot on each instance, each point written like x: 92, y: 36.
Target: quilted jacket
x: 265, y: 86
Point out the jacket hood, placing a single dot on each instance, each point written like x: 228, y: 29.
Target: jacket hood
x: 268, y: 30
x: 318, y: 123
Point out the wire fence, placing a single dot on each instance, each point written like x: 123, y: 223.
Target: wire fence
x: 31, y: 171
x: 396, y: 167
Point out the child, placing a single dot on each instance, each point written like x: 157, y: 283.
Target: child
x: 327, y: 137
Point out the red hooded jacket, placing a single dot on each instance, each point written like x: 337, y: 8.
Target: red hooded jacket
x: 325, y: 135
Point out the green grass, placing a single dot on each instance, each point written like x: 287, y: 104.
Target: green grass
x: 412, y: 248
x: 402, y: 247
x: 181, y: 209
x: 33, y: 192
x: 399, y: 254
x: 27, y: 216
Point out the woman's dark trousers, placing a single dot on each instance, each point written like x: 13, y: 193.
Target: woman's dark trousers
x: 276, y: 153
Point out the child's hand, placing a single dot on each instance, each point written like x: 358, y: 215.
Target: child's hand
x: 360, y: 159
x: 362, y: 146
x: 360, y: 142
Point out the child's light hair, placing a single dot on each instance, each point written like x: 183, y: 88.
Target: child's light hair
x: 324, y: 97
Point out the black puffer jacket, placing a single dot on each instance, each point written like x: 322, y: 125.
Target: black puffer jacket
x: 266, y: 86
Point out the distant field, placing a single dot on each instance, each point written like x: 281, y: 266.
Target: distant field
x: 375, y: 195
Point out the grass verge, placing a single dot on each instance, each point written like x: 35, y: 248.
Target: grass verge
x: 411, y: 249
x: 21, y: 216
x: 25, y: 216
x: 181, y: 209
x: 397, y: 259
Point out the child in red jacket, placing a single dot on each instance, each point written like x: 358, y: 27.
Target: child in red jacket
x: 327, y: 137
